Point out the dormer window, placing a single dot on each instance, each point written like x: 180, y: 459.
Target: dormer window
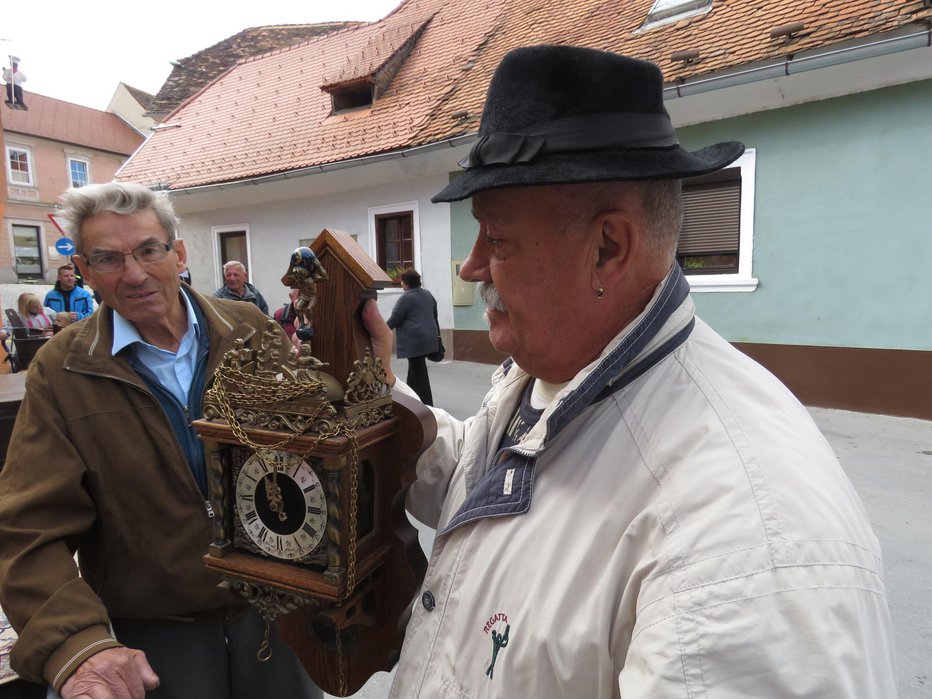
x: 665, y: 11
x: 365, y: 76
x: 350, y: 96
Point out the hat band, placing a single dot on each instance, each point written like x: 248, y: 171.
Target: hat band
x: 577, y: 133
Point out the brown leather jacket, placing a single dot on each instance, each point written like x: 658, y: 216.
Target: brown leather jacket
x: 95, y: 467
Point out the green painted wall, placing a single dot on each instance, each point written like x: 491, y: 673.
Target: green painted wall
x: 843, y: 224
x: 465, y: 229
x: 843, y: 227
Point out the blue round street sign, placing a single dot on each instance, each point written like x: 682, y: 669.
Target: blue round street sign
x: 64, y: 246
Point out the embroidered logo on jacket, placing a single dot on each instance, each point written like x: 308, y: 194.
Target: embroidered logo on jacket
x: 493, y: 628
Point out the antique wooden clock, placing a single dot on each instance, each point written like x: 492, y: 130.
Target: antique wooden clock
x: 310, y: 458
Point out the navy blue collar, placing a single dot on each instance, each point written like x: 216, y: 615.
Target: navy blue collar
x: 614, y: 371
x: 506, y: 488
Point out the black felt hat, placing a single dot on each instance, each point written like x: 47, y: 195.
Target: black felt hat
x: 566, y: 114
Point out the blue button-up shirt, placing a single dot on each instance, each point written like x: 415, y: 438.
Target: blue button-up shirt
x: 174, y: 370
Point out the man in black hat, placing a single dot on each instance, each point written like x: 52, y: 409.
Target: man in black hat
x: 638, y: 509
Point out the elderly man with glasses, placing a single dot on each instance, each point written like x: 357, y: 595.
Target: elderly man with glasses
x: 103, y: 462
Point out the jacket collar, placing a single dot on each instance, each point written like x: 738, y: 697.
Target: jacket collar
x: 507, y: 487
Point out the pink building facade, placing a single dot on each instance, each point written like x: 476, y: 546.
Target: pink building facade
x: 47, y: 149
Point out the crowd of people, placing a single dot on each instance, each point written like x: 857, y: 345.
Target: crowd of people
x: 68, y: 302
x: 636, y: 509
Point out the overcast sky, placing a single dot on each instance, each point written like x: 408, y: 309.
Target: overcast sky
x: 81, y: 51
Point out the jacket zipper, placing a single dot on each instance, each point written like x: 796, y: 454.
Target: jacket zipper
x: 208, y: 507
x: 127, y: 382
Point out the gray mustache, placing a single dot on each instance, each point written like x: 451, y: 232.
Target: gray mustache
x: 489, y: 294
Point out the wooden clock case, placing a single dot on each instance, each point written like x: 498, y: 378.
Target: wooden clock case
x: 343, y: 608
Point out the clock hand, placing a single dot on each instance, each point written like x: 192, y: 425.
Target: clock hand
x: 273, y: 492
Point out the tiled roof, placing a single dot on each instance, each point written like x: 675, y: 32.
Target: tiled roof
x: 144, y: 98
x: 732, y: 34
x: 71, y: 123
x: 381, y: 49
x: 199, y: 69
x: 269, y: 114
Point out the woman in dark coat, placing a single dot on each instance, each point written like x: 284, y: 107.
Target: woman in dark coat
x: 415, y: 319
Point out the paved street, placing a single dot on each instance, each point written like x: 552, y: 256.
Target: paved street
x: 889, y: 460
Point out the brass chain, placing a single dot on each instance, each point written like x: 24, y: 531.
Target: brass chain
x: 351, y: 562
x: 338, y: 635
x: 354, y: 513
x: 264, y: 654
x: 254, y: 393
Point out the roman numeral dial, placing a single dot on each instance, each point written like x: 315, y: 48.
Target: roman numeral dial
x: 281, y: 504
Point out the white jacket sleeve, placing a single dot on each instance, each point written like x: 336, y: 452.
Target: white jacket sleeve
x: 435, y: 467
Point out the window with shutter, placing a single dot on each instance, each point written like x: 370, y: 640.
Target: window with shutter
x: 710, y: 236
x: 716, y: 242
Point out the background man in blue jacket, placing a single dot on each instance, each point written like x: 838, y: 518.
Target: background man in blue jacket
x: 68, y: 299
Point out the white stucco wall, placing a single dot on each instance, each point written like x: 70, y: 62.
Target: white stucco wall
x: 275, y: 229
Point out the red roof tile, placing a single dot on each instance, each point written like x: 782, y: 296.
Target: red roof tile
x: 269, y: 114
x: 141, y: 96
x: 191, y: 74
x: 71, y: 123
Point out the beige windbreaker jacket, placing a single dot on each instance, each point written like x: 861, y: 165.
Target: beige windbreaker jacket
x: 674, y: 526
x: 94, y: 466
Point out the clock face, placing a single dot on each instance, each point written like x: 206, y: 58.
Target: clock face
x: 281, y: 504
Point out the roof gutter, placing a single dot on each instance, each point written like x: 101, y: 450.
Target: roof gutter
x: 789, y: 66
x: 792, y: 65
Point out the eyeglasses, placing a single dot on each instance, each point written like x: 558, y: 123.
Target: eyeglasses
x: 145, y: 254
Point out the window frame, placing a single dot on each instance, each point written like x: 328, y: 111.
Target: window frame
x: 217, y: 233
x: 743, y: 279
x: 40, y: 241
x: 352, y: 97
x: 677, y: 10
x: 29, y: 165
x: 87, y: 170
x: 405, y: 242
x: 408, y: 207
